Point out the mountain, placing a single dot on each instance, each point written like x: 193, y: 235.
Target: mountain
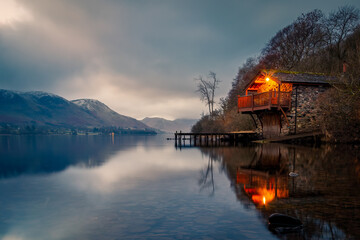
x: 41, y: 108
x: 165, y: 125
x: 50, y: 110
x: 106, y: 116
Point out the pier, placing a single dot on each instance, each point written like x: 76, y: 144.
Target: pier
x: 213, y: 139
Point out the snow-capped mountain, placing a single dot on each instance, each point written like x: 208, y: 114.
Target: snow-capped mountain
x: 107, y: 116
x: 47, y: 109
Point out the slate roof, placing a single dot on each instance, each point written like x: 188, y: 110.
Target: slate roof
x: 306, y: 78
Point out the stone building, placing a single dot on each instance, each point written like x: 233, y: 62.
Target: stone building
x: 283, y: 103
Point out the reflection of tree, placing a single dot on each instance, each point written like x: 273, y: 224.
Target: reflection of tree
x: 206, y: 180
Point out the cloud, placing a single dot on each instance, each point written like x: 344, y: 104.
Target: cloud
x: 12, y: 237
x: 130, y: 95
x: 68, y: 50
x: 12, y: 13
x: 126, y: 52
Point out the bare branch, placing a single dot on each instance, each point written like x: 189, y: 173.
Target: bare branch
x: 206, y: 89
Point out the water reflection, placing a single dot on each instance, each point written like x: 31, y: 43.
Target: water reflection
x: 264, y: 178
x: 104, y: 187
x: 324, y: 195
x: 206, y: 180
x: 262, y: 187
x: 122, y: 189
x: 48, y: 154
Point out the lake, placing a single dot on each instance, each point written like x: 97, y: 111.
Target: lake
x: 142, y: 187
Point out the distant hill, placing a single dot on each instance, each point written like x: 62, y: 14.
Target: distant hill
x: 106, y: 116
x: 50, y: 110
x: 165, y: 125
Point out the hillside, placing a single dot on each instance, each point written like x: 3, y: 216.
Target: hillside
x: 106, y: 116
x: 165, y: 125
x: 50, y: 110
x: 40, y: 108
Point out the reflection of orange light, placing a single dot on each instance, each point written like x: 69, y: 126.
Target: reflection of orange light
x: 263, y: 196
x: 261, y: 188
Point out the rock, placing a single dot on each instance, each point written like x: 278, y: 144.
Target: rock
x: 280, y: 223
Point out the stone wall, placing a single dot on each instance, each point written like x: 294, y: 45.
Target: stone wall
x: 306, y: 111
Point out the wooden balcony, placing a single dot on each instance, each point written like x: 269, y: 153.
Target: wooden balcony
x: 263, y: 101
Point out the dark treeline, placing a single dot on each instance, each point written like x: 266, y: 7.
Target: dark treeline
x: 316, y: 43
x: 47, y: 130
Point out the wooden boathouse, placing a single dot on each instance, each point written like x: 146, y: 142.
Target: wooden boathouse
x: 283, y: 103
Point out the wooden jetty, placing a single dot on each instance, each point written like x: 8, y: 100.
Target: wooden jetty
x: 310, y: 136
x: 233, y: 138
x: 213, y: 139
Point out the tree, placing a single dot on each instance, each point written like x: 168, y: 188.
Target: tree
x: 245, y: 74
x: 338, y: 26
x: 206, y: 88
x: 352, y: 57
x: 295, y: 42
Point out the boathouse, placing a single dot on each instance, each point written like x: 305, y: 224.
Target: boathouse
x: 282, y: 102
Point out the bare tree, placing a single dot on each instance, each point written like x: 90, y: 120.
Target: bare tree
x: 206, y: 88
x: 338, y: 26
x: 295, y: 42
x: 341, y: 24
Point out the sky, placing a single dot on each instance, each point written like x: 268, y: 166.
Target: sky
x: 139, y: 57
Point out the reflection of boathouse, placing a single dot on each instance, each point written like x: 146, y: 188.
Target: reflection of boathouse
x: 265, y: 177
x: 323, y: 195
x: 284, y: 102
x: 262, y: 187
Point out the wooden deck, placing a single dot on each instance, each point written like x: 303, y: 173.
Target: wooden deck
x: 265, y: 100
x: 213, y: 139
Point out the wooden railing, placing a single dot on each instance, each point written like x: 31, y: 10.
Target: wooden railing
x: 265, y: 100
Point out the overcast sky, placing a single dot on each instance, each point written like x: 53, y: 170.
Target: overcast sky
x: 139, y: 57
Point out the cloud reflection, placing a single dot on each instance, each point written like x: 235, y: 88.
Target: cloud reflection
x: 126, y: 170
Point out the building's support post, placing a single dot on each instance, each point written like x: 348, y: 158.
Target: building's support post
x: 270, y: 99
x: 176, y: 139
x: 296, y: 103
x: 179, y: 138
x: 261, y: 123
x: 254, y: 120
x: 279, y: 96
x: 287, y: 121
x: 252, y: 102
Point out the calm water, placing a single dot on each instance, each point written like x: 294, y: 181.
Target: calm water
x: 142, y: 187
